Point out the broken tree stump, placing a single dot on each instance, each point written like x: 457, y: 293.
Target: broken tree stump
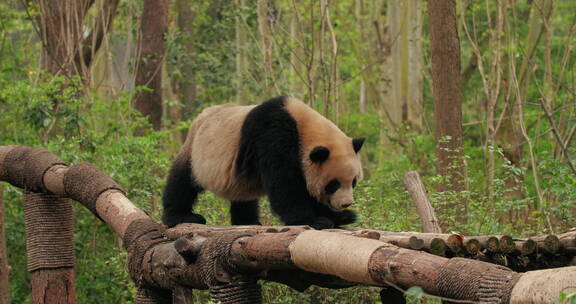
x: 417, y: 190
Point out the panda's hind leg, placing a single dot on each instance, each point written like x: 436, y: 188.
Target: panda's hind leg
x: 245, y: 212
x: 180, y: 194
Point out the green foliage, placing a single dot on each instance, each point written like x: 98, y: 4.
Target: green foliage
x: 71, y: 120
x: 566, y: 298
x: 82, y: 129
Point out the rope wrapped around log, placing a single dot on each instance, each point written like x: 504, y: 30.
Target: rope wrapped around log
x: 24, y: 167
x: 85, y: 182
x: 49, y: 231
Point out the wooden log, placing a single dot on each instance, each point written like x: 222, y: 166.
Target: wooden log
x: 49, y: 224
x: 568, y: 239
x: 527, y: 247
x: 436, y: 246
x: 549, y: 244
x: 488, y: 243
x: 413, y: 240
x: 417, y: 190
x: 472, y: 246
x: 4, y: 268
x: 507, y: 244
x: 53, y: 286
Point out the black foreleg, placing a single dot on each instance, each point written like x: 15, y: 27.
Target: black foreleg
x: 290, y: 200
x: 339, y: 218
x: 180, y: 194
x: 245, y: 212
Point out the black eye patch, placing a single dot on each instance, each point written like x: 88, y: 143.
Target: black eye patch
x: 354, y: 183
x: 332, y: 186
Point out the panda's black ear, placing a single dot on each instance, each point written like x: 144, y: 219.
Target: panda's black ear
x: 357, y: 143
x: 319, y: 154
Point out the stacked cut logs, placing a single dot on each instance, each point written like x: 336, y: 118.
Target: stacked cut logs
x: 519, y: 254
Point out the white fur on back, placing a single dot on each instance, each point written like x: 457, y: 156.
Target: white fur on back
x: 214, y: 139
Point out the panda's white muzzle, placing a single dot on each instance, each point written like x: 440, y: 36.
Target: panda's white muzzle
x: 340, y: 200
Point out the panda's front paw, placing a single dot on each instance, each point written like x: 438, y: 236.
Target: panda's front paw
x: 172, y: 220
x: 344, y: 217
x: 322, y: 223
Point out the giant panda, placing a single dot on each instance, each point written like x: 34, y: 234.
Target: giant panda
x: 281, y: 148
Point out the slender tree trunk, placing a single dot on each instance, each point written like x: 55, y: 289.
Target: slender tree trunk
x: 241, y: 57
x: 333, y: 71
x: 297, y: 57
x: 492, y: 79
x: 186, y: 85
x: 266, y: 44
x: 4, y: 268
x: 153, y: 30
x: 405, y: 30
x: 511, y: 137
x: 445, y: 52
x: 394, y: 24
x: 493, y: 92
x: 362, y: 99
x: 101, y: 26
x: 386, y: 107
x: 363, y: 29
x: 414, y: 73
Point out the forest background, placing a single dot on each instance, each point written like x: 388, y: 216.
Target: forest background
x: 117, y: 83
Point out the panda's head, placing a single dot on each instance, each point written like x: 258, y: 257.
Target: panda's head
x: 332, y: 171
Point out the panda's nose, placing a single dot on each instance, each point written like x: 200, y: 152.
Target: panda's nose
x: 346, y: 205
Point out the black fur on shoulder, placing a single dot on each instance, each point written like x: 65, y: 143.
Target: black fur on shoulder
x: 270, y: 152
x: 180, y: 194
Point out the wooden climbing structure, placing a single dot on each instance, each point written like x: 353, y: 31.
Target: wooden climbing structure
x: 165, y: 264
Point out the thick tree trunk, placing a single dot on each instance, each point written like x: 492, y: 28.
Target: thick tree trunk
x: 66, y: 49
x: 186, y: 85
x: 50, y: 248
x: 4, y: 268
x: 445, y: 52
x: 153, y: 30
x: 60, y: 24
x: 53, y: 286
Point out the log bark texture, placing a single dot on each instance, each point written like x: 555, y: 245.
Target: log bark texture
x: 53, y: 286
